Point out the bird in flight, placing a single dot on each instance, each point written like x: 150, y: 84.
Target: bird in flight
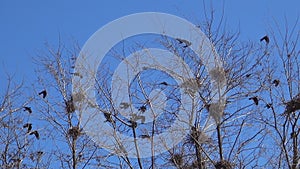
x: 36, y: 134
x: 255, y: 100
x: 269, y: 105
x: 142, y: 109
x: 28, y: 109
x: 164, y: 83
x: 185, y: 42
x: 28, y: 126
x: 44, y: 93
x: 266, y: 39
x: 276, y: 82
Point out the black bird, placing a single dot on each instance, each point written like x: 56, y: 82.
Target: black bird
x: 144, y: 136
x: 28, y: 126
x: 164, y: 83
x: 265, y: 38
x: 108, y: 117
x: 28, y: 109
x: 276, y: 82
x: 142, y: 109
x: 248, y: 75
x: 36, y: 134
x: 255, y: 100
x: 269, y: 105
x: 133, y: 124
x: 44, y: 93
x: 185, y: 42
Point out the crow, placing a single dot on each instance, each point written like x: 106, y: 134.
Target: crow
x: 255, y: 100
x: 269, y: 105
x: 28, y: 109
x: 144, y: 136
x: 276, y: 82
x: 164, y: 83
x: 185, y: 42
x: 265, y: 38
x: 36, y: 134
x: 133, y: 124
x: 142, y: 109
x: 28, y: 126
x: 44, y: 93
x: 108, y: 117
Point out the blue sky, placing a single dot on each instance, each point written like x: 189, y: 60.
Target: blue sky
x: 27, y: 25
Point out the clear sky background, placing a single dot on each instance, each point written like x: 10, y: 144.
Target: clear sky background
x: 25, y: 26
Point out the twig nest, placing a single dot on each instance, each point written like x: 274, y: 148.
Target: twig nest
x: 74, y: 132
x: 223, y: 165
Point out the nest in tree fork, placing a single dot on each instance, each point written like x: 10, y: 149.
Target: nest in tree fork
x: 74, y: 132
x: 292, y: 105
x: 223, y: 165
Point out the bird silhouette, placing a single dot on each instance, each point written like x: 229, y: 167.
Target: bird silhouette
x: 133, y: 124
x: 28, y: 109
x: 108, y: 117
x: 269, y: 105
x: 142, y: 109
x: 28, y: 126
x: 164, y: 83
x: 185, y: 42
x: 276, y: 82
x: 43, y: 93
x: 248, y: 75
x: 36, y: 134
x: 144, y: 136
x: 266, y: 39
x: 255, y: 100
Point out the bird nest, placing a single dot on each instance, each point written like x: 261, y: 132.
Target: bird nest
x: 292, y: 105
x: 223, y: 165
x: 74, y: 132
x: 177, y: 159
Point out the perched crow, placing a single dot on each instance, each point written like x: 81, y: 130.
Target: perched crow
x: 108, y: 117
x: 133, y: 124
x: 164, y: 83
x: 276, y: 82
x: 44, y: 93
x: 36, y: 134
x: 28, y: 109
x: 70, y: 108
x: 185, y: 42
x: 142, y: 109
x: 144, y: 136
x: 265, y: 38
x: 255, y: 100
x: 28, y: 126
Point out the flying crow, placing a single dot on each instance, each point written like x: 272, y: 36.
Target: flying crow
x: 266, y: 39
x: 44, y: 93
x: 36, y: 134
x: 255, y: 100
x: 28, y: 109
